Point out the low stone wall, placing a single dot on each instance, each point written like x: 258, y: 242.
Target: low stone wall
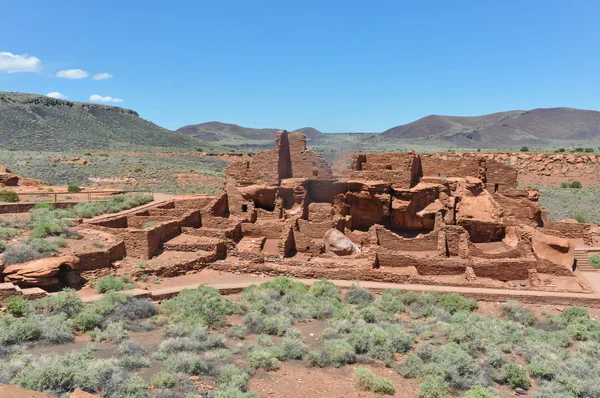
x: 424, y: 265
x: 101, y: 258
x: 270, y: 230
x: 389, y: 240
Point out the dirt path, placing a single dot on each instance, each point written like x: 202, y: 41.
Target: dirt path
x: 229, y: 282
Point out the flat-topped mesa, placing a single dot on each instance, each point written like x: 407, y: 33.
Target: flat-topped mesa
x: 289, y: 159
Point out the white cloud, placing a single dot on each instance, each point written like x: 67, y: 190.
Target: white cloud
x: 56, y: 94
x: 12, y: 63
x: 72, y: 74
x: 102, y: 76
x: 99, y: 98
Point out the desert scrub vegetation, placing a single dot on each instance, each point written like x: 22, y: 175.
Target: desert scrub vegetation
x: 582, y: 203
x: 439, y: 340
x: 111, y: 283
x: 115, y: 204
x: 368, y: 381
x: 595, y: 261
x: 158, y: 171
x: 8, y: 196
x: 31, y: 249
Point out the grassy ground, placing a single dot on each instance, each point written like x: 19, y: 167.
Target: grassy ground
x: 141, y: 169
x: 579, y: 203
x: 203, y: 351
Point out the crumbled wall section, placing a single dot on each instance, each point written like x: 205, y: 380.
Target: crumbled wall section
x: 305, y: 162
x: 289, y: 159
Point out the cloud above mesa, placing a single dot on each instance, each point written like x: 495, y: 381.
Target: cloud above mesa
x: 13, y: 63
x: 100, y: 98
x: 56, y: 94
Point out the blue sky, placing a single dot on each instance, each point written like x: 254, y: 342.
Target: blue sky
x: 331, y: 64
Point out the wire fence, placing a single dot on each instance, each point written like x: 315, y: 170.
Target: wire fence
x: 65, y: 197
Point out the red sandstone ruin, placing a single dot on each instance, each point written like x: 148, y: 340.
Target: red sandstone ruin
x: 397, y: 217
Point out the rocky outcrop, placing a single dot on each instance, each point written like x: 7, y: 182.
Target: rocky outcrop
x: 44, y: 272
x: 553, y: 249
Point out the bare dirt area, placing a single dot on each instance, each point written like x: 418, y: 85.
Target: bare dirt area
x: 298, y: 382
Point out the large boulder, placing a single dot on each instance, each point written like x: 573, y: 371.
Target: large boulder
x: 40, y: 273
x: 338, y: 243
x: 554, y: 249
x: 9, y: 179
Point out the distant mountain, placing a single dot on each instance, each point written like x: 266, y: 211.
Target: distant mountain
x: 504, y: 129
x: 217, y: 131
x: 309, y: 132
x: 37, y: 122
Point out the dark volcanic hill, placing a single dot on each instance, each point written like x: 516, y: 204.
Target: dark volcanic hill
x: 503, y: 129
x: 214, y: 131
x: 37, y: 122
x: 217, y: 131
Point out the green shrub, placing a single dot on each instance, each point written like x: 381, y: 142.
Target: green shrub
x: 66, y: 302
x: 191, y: 339
x: 324, y: 289
x: 283, y: 285
x: 116, y: 204
x: 114, y: 333
x: 433, y: 387
x: 202, y: 306
x: 93, y: 314
x: 595, y: 261
x: 458, y: 367
x: 411, y: 366
x: 575, y: 184
x: 263, y: 359
x: 72, y: 188
x: 454, y: 302
x: 17, y: 306
x: 111, y: 284
x: 580, y: 218
x: 188, y: 363
x: 22, y: 253
x: 290, y: 348
x: 8, y: 196
x: 47, y: 222
x: 514, y: 311
x: 480, y: 392
x: 6, y: 233
x: 60, y: 375
x: 333, y: 353
x: 565, y: 185
x: 514, y: 376
x: 390, y: 302
x: 149, y: 224
x: 359, y: 295
x: 275, y: 325
x: 133, y: 362
x: 230, y: 376
x: 163, y: 380
x: 235, y: 393
x: 2, y: 247
x: 524, y: 149
x: 366, y: 380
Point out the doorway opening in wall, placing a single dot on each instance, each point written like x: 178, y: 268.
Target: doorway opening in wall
x: 495, y: 187
x: 244, y: 208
